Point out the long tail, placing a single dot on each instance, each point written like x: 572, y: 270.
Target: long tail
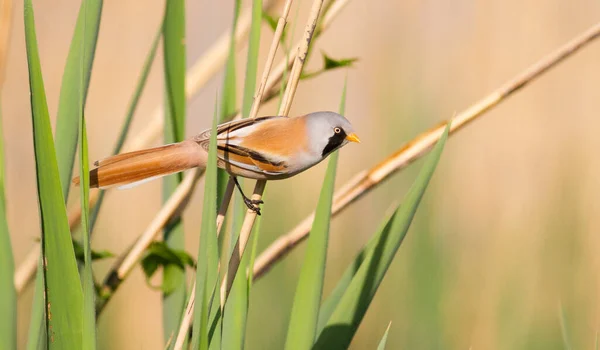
x: 140, y: 166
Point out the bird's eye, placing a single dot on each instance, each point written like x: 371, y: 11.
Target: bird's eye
x: 337, y: 130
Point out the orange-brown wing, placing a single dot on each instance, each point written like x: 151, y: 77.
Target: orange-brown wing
x: 231, y: 135
x: 250, y: 160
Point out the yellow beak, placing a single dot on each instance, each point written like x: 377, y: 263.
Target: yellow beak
x: 353, y: 138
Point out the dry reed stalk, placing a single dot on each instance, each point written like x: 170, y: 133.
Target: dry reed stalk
x: 286, y: 104
x: 117, y: 273
x: 201, y: 72
x: 186, y: 321
x: 369, y: 179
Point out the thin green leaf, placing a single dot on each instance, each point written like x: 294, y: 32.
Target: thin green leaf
x: 236, y: 306
x: 174, y: 69
x: 141, y: 84
x: 64, y: 296
x: 8, y: 294
x: 383, y: 340
x: 89, y: 291
x: 228, y: 97
x: 302, y: 329
x: 252, y: 58
x: 36, y: 337
x: 208, y: 254
x: 74, y: 83
x: 345, y: 319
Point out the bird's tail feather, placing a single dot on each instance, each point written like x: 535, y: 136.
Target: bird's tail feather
x: 127, y: 169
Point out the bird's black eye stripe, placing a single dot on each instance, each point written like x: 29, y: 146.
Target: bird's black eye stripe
x: 335, y: 141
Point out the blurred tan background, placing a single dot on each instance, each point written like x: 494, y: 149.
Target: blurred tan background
x: 506, y: 240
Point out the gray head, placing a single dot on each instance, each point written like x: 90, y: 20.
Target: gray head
x: 329, y: 131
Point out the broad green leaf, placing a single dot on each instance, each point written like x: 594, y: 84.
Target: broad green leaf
x: 236, y: 306
x: 345, y: 319
x: 175, y: 102
x: 8, y: 294
x: 129, y: 117
x: 208, y: 254
x: 75, y: 81
x: 302, y: 329
x: 64, y: 296
x: 383, y: 340
x: 333, y: 299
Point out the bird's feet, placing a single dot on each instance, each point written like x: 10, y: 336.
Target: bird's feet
x: 253, y: 204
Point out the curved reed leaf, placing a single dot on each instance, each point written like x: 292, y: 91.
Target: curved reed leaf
x: 64, y: 296
x: 345, y: 319
x: 75, y: 81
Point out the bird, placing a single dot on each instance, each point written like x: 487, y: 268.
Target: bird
x: 262, y: 148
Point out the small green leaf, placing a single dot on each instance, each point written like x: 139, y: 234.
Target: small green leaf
x: 330, y: 63
x: 352, y: 306
x: 159, y: 254
x: 383, y: 340
x: 96, y: 254
x: 64, y: 295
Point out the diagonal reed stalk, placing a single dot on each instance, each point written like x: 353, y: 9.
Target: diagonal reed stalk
x: 366, y: 180
x: 187, y: 318
x: 178, y: 200
x: 199, y: 74
x: 284, y: 110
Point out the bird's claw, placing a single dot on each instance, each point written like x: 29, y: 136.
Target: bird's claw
x: 252, y: 204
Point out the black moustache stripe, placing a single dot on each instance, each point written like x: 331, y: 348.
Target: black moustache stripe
x: 335, y: 141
